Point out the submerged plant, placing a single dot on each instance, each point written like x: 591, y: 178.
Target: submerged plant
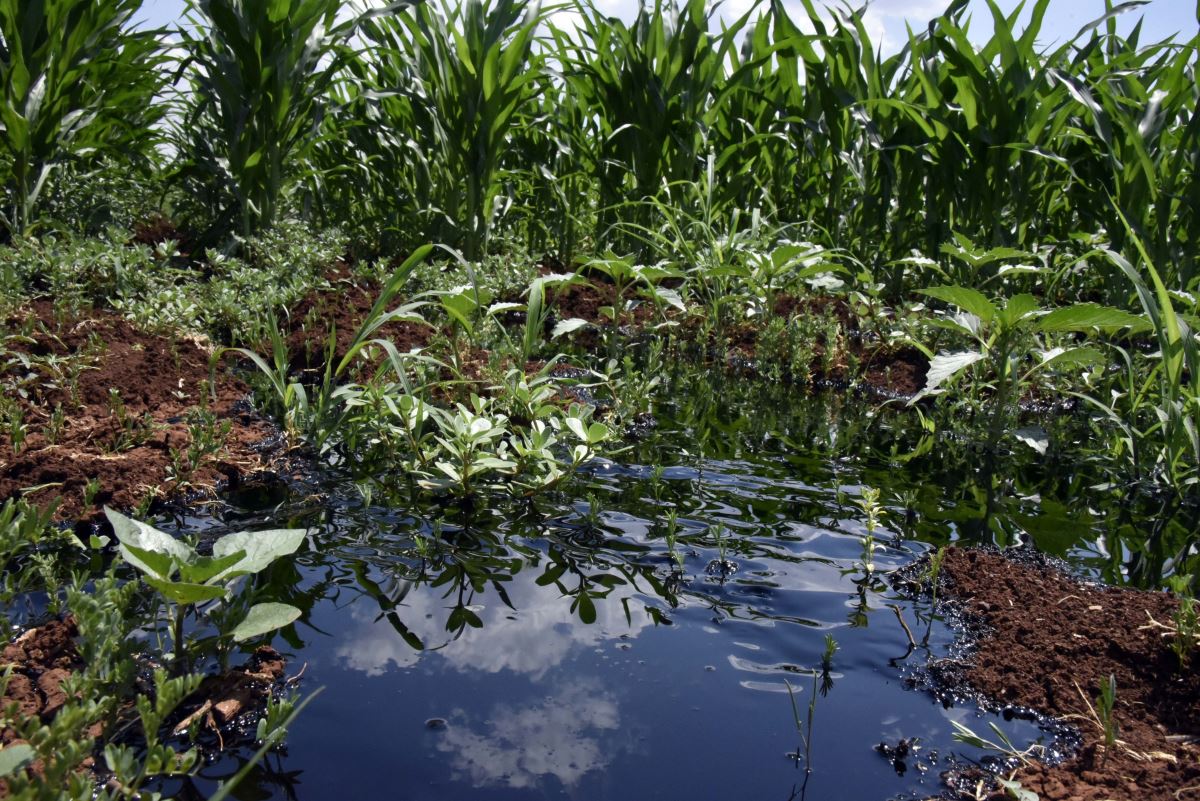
x: 1002, y: 745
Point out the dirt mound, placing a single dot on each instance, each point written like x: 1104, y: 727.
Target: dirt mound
x: 1047, y: 641
x: 40, y: 660
x: 342, y: 309
x: 101, y: 401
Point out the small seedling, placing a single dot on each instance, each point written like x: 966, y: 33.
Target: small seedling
x: 1104, y: 711
x: 869, y: 503
x: 55, y: 426
x: 16, y: 428
x: 132, y: 431
x: 932, y: 572
x: 206, y: 438
x: 90, y: 491
x: 1187, y: 630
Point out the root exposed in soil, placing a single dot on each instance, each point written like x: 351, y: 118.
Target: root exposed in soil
x: 1047, y: 641
x: 102, y: 401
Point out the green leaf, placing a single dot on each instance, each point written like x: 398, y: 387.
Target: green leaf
x: 1035, y: 437
x: 969, y: 300
x: 597, y: 432
x: 264, y: 618
x: 1014, y: 790
x: 131, y: 532
x: 586, y: 608
x: 261, y: 548
x: 1017, y: 309
x: 942, y: 367
x: 15, y: 757
x: 1071, y: 357
x: 204, y: 568
x: 1085, y: 316
x: 567, y: 326
x: 152, y: 563
x: 182, y: 592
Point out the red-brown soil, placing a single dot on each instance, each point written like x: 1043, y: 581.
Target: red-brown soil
x: 40, y: 659
x: 585, y: 299
x: 342, y: 309
x: 1047, y: 641
x: 160, y: 381
x: 221, y: 699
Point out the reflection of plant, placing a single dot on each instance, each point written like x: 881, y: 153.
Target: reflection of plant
x: 160, y: 557
x: 825, y: 677
x: 672, y: 537
x: 831, y: 648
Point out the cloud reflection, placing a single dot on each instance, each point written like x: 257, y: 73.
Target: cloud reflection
x: 531, y: 639
x: 560, y: 737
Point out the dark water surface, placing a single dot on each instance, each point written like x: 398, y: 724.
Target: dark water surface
x: 552, y: 651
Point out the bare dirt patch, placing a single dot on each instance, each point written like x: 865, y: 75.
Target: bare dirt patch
x: 101, y: 401
x: 1046, y: 641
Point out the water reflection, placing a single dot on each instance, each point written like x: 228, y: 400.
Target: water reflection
x: 529, y: 632
x: 545, y: 633
x: 571, y: 732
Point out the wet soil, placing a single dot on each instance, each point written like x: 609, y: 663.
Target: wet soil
x: 222, y: 699
x: 103, y: 401
x: 39, y: 661
x: 1047, y: 640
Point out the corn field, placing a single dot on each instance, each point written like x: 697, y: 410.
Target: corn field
x: 487, y: 123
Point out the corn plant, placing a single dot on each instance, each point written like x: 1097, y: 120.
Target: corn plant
x: 1173, y: 384
x: 318, y: 414
x: 258, y: 73
x: 654, y: 85
x: 75, y: 84
x: 464, y: 74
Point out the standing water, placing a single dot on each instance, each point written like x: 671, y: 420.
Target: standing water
x: 658, y: 636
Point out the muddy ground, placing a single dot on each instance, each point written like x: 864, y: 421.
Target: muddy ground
x: 100, y: 400
x: 1046, y: 641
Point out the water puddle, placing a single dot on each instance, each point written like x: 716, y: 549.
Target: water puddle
x: 568, y: 650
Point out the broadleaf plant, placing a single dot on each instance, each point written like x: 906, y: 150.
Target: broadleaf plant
x: 185, y: 579
x: 1002, y: 336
